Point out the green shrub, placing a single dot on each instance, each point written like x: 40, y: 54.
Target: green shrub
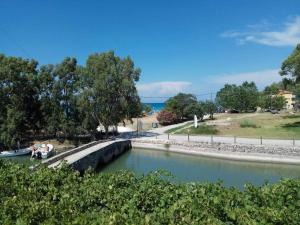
x: 62, y: 196
x: 248, y: 123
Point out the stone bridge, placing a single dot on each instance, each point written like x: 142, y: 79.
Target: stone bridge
x: 91, y: 155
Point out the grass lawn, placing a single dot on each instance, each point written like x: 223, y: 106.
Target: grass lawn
x: 173, y: 130
x: 283, y: 125
x: 202, y: 129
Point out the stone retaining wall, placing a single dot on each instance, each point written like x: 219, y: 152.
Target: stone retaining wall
x: 230, y: 148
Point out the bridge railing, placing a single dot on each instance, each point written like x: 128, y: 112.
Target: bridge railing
x: 73, y: 151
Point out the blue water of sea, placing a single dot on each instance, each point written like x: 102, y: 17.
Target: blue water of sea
x: 156, y: 107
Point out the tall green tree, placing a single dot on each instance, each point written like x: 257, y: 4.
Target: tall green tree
x: 19, y: 113
x: 291, y: 66
x: 210, y: 108
x: 271, y: 102
x: 49, y: 94
x: 66, y: 90
x: 179, y: 103
x: 195, y: 108
x: 242, y: 98
x: 109, y: 95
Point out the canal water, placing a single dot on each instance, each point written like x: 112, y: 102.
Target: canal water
x: 188, y: 168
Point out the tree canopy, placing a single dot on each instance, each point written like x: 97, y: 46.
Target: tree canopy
x: 179, y: 103
x: 238, y: 97
x: 65, y: 99
x: 110, y: 91
x: 291, y: 66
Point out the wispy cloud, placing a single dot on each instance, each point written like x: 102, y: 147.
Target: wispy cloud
x: 261, y: 78
x: 286, y: 35
x: 162, y: 89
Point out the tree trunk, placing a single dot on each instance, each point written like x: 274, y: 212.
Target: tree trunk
x: 106, y: 131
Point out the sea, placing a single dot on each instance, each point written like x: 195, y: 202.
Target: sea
x: 156, y: 107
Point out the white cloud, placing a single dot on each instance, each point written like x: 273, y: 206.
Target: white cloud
x: 287, y: 35
x: 261, y: 78
x: 162, y: 89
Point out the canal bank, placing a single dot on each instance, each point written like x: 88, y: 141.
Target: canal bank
x: 236, y: 152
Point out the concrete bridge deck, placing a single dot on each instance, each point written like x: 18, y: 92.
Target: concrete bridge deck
x: 92, y: 155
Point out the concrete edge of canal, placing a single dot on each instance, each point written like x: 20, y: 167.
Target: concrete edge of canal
x: 247, y: 153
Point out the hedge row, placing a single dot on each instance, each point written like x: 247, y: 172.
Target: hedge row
x: 62, y: 196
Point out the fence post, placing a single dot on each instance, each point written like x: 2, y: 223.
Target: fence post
x: 234, y: 139
x: 261, y: 140
x: 211, y: 139
x: 156, y: 136
x: 293, y: 141
x: 188, y: 135
x: 168, y: 136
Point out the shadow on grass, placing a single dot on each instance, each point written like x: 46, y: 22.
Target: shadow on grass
x: 292, y: 125
x: 291, y: 117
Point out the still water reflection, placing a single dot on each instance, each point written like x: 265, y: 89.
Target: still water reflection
x: 188, y: 168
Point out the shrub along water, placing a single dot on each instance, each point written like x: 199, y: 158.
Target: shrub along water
x: 62, y: 196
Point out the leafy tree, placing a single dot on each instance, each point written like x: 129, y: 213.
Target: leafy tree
x: 287, y: 84
x: 109, y: 90
x: 179, y: 103
x: 166, y: 117
x: 194, y: 109
x: 210, y: 108
x: 272, y: 89
x: 271, y: 102
x: 66, y: 91
x: 19, y: 113
x: 52, y: 113
x: 242, y: 98
x: 291, y: 66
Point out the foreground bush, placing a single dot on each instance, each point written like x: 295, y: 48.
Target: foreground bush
x: 62, y: 196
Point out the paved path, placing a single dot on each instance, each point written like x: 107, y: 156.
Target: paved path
x: 162, y: 130
x: 228, y: 140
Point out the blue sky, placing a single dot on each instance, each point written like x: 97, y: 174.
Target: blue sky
x: 190, y: 46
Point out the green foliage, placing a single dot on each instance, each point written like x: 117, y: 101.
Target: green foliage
x: 271, y: 102
x: 195, y: 108
x: 272, y: 89
x: 179, y: 103
x: 242, y: 98
x: 291, y: 66
x: 62, y: 196
x: 210, y: 108
x: 65, y: 98
x: 19, y: 112
x: 248, y: 123
x: 109, y: 90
